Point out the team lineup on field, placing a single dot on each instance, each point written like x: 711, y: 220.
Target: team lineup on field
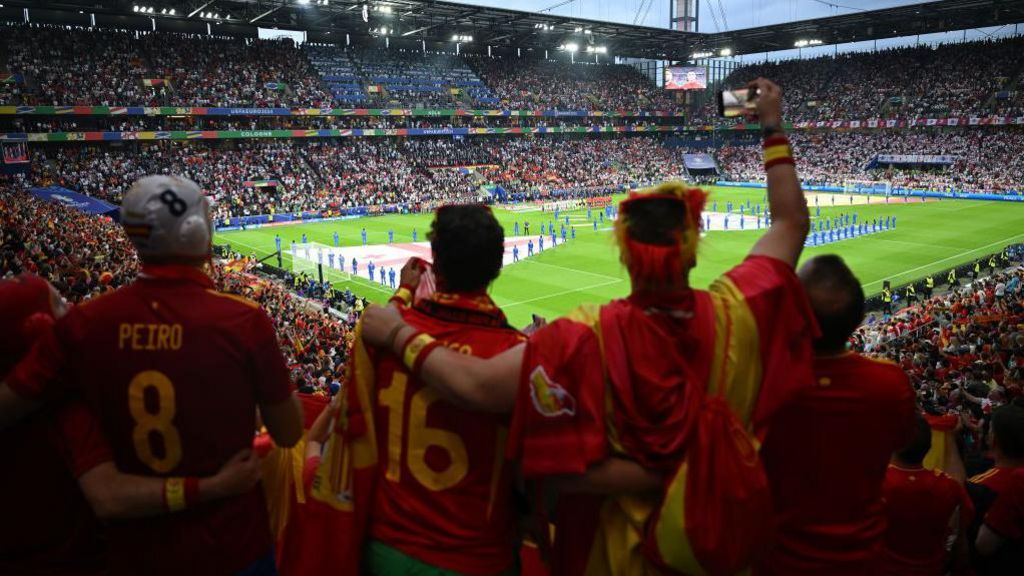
x: 931, y: 236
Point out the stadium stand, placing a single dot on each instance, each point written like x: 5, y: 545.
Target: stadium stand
x: 987, y: 160
x: 564, y: 86
x: 328, y: 176
x: 950, y: 80
x: 970, y: 336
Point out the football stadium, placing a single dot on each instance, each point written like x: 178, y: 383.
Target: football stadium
x: 577, y: 287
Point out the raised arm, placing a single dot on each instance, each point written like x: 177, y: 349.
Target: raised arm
x: 473, y: 383
x: 790, y: 220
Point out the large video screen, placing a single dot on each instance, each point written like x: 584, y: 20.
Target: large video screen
x: 686, y: 78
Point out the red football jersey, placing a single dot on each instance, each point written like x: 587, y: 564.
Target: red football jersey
x: 826, y: 455
x: 995, y: 479
x: 444, y: 497
x: 173, y: 371
x: 1006, y: 517
x: 923, y: 509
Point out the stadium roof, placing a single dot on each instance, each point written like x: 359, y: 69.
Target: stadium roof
x: 436, y: 21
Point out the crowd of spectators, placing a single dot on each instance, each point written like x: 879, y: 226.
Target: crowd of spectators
x: 75, y: 67
x: 326, y: 176
x: 529, y: 84
x: 63, y: 66
x: 58, y: 123
x: 963, y: 350
x: 82, y: 256
x: 211, y: 71
x: 986, y: 160
x: 948, y: 80
x: 100, y: 67
x: 315, y: 343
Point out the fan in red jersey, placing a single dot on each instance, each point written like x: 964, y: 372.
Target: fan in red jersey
x: 48, y: 527
x: 927, y: 515
x: 826, y: 486
x: 174, y: 372
x: 648, y: 393
x: 438, y: 496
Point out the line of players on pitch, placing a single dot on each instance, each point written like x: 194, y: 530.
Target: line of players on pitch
x: 387, y: 276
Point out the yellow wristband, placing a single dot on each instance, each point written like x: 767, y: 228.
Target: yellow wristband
x: 776, y: 152
x: 174, y: 494
x: 403, y: 294
x: 413, y: 348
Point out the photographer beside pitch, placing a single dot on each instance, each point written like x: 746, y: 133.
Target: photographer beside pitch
x: 624, y: 382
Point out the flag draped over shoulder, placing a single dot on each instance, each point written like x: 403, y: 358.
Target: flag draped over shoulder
x: 942, y: 435
x: 282, y: 473
x: 330, y: 529
x: 676, y: 385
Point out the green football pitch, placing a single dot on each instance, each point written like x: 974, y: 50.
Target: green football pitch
x: 930, y: 236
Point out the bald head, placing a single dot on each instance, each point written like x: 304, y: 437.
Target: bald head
x: 836, y: 298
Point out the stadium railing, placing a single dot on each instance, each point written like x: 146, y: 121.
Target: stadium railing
x: 963, y: 273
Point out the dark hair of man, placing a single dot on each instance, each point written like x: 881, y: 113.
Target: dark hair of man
x: 914, y: 452
x: 656, y: 221
x: 1008, y: 427
x: 837, y: 299
x: 468, y: 244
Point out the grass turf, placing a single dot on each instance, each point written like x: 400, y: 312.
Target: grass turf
x: 929, y: 237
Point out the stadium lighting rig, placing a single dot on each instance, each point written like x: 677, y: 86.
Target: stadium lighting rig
x: 806, y: 43
x: 463, y: 38
x: 543, y: 27
x: 570, y: 47
x: 699, y: 55
x: 725, y: 52
x: 597, y: 49
x: 151, y: 10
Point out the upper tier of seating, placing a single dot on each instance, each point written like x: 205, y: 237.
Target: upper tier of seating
x: 58, y: 66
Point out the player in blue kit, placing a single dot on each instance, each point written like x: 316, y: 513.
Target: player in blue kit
x: 355, y: 266
x: 516, y: 228
x: 277, y: 241
x: 540, y: 241
x: 364, y: 236
x: 391, y: 236
x: 337, y: 239
x: 370, y: 267
x: 304, y: 240
x: 413, y: 234
x: 391, y: 277
x: 529, y: 247
x: 383, y: 276
x: 515, y: 253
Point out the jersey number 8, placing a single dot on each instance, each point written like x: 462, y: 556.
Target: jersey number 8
x: 148, y: 423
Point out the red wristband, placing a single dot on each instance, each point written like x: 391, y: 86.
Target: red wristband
x: 422, y: 356
x: 191, y: 491
x: 777, y: 152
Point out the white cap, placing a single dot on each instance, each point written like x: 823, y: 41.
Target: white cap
x: 167, y: 216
